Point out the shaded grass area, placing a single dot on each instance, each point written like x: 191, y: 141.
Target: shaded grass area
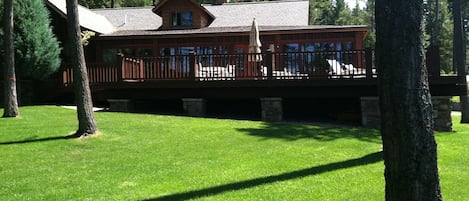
x: 153, y: 157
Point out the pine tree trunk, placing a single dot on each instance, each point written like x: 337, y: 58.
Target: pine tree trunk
x: 10, y: 97
x: 409, y: 147
x: 86, y: 121
x: 459, y: 56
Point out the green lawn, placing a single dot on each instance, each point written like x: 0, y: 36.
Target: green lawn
x: 154, y: 157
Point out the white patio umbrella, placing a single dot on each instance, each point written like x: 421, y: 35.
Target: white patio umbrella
x: 254, y: 43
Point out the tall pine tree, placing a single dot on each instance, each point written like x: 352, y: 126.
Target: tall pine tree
x: 409, y: 146
x: 86, y: 121
x: 10, y: 99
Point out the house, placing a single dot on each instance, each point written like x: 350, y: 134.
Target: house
x: 180, y: 49
x: 180, y: 26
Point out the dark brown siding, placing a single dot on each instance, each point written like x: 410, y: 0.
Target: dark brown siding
x: 200, y: 18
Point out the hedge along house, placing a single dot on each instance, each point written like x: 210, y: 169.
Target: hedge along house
x: 183, y: 50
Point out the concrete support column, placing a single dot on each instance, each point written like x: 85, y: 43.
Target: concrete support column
x: 271, y: 109
x: 120, y: 105
x: 195, y: 107
x: 371, y: 116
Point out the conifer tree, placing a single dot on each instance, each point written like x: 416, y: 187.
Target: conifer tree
x: 36, y: 48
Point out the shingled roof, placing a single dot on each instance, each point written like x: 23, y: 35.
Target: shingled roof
x: 267, y: 13
x: 228, y: 17
x: 136, y: 18
x: 88, y: 19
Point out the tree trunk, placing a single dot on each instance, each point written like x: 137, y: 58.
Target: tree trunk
x: 86, y: 121
x: 10, y: 97
x: 459, y: 60
x: 409, y: 147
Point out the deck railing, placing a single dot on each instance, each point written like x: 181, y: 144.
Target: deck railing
x: 353, y: 64
x: 97, y: 73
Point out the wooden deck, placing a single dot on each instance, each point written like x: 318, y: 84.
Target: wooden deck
x: 292, y: 75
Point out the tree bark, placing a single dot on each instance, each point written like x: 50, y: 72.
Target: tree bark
x: 10, y: 97
x: 459, y: 60
x: 86, y: 121
x: 409, y: 147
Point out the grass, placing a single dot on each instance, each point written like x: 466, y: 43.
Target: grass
x: 153, y: 157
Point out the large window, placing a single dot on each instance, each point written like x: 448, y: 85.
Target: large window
x: 176, y: 58
x: 181, y: 19
x: 291, y: 59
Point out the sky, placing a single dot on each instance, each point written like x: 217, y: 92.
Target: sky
x: 352, y: 3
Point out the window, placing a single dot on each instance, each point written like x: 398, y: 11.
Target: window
x: 176, y: 58
x: 291, y: 60
x: 109, y: 55
x: 181, y: 19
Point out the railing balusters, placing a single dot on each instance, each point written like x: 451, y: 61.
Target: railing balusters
x: 349, y: 64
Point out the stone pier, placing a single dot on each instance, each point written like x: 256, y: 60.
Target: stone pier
x: 441, y: 113
x: 271, y: 109
x: 195, y: 107
x: 120, y: 105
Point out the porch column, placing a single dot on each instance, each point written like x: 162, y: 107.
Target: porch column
x: 195, y: 107
x: 371, y: 116
x: 271, y: 109
x: 120, y: 105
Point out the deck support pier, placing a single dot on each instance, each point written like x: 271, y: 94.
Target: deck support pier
x: 195, y: 107
x: 441, y: 113
x: 120, y: 105
x: 271, y: 109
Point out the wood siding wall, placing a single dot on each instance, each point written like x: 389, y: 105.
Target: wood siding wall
x: 199, y: 17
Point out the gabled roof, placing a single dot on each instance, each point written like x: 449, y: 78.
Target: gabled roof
x: 267, y: 13
x: 157, y: 8
x: 88, y: 19
x: 135, y: 18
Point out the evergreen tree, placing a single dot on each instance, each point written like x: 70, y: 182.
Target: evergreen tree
x: 369, y: 16
x: 342, y: 14
x: 321, y: 12
x: 440, y: 31
x: 95, y: 3
x: 117, y: 3
x: 36, y: 48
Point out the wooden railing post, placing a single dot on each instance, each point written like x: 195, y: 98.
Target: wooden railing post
x: 141, y: 69
x: 268, y: 63
x: 192, y: 66
x: 369, y: 62
x: 120, y: 67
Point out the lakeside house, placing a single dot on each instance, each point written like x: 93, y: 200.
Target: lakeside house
x: 183, y: 50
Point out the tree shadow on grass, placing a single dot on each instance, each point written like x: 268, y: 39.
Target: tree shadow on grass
x: 33, y: 140
x: 292, y: 132
x: 365, y: 160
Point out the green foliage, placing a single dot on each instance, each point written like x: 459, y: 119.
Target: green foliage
x: 95, y: 3
x: 444, y: 36
x: 36, y: 48
x: 117, y: 3
x: 139, y: 156
x: 326, y: 12
x: 321, y: 12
